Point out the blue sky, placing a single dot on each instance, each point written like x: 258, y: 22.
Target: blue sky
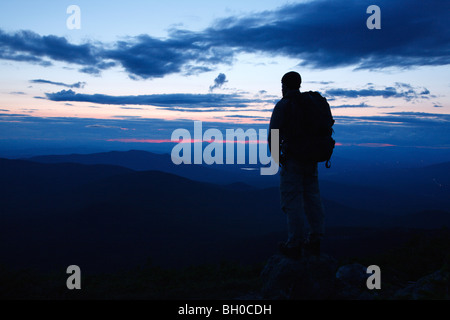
x: 137, y: 70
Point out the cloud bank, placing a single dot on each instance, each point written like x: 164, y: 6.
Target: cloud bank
x: 403, y: 91
x: 396, y: 128
x: 319, y: 34
x: 169, y: 101
x: 212, y: 102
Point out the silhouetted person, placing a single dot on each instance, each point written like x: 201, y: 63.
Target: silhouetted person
x: 299, y: 185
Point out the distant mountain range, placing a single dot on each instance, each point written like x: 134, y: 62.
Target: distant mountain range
x: 143, y: 161
x: 115, y: 209
x: 366, y: 187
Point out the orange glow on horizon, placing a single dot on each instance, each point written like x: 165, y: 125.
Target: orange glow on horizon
x: 183, y: 141
x: 370, y: 145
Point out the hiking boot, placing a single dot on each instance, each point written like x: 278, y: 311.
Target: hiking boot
x: 312, y: 245
x: 290, y: 252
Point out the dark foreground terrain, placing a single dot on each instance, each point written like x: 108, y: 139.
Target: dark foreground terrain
x: 147, y: 234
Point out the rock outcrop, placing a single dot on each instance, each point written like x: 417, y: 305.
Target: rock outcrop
x: 320, y: 278
x: 432, y: 286
x: 306, y: 278
x: 314, y: 278
x: 351, y: 283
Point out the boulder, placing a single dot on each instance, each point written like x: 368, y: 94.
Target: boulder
x: 351, y: 283
x: 433, y: 286
x: 306, y: 278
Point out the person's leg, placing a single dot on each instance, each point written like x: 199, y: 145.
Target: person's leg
x: 313, y: 204
x: 291, y: 189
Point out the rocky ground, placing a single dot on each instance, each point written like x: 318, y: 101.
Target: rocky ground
x: 321, y: 278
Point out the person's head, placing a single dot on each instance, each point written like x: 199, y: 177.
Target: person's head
x: 291, y: 81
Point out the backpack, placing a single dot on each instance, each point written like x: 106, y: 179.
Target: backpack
x: 308, y: 134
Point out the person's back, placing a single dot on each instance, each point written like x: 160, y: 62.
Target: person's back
x: 299, y: 185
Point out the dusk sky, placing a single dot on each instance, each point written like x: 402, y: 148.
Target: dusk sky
x: 137, y: 70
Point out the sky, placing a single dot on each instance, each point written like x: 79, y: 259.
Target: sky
x: 137, y: 70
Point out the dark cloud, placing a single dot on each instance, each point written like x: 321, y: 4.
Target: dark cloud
x: 97, y: 68
x: 131, y: 108
x: 28, y: 110
x: 193, y: 109
x: 422, y: 117
x: 127, y: 117
x: 361, y: 105
x: 91, y: 70
x: 17, y: 93
x: 404, y: 91
x: 397, y: 128
x: 102, y: 126
x: 260, y: 110
x: 6, y: 116
x: 183, y: 100
x: 32, y: 47
x: 388, y: 92
x: 218, y: 82
x: 320, y: 34
x: 183, y: 52
x: 403, y: 119
x: 320, y: 82
x: 327, y: 34
x: 74, y: 85
x: 244, y: 116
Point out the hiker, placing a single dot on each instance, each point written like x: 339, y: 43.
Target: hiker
x: 295, y: 116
